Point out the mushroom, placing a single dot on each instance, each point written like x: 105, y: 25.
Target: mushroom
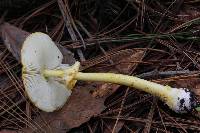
x: 39, y: 53
x: 49, y: 83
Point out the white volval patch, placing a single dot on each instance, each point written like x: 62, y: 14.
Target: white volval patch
x: 38, y: 53
x: 181, y: 100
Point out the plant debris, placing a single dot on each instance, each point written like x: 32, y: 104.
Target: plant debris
x: 155, y: 40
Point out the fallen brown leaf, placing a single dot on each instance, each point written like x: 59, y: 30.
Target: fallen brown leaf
x: 7, y: 131
x: 14, y: 37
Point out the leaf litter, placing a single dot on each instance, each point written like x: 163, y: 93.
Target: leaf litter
x: 157, y: 41
x: 76, y: 111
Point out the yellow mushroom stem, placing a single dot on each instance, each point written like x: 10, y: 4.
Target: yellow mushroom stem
x: 131, y: 81
x: 53, y: 73
x: 150, y: 87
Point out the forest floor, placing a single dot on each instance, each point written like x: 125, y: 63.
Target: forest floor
x: 153, y: 40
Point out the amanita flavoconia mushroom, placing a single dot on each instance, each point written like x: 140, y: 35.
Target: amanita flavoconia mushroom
x: 49, y: 83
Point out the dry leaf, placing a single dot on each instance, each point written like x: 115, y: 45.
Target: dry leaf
x: 7, y: 131
x: 14, y: 37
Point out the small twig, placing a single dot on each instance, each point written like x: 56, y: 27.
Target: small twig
x: 120, y: 111
x: 161, y: 118
x: 105, y: 53
x: 164, y: 73
x: 83, y: 28
x: 69, y: 23
x: 150, y: 117
x: 2, y: 17
x: 73, y: 24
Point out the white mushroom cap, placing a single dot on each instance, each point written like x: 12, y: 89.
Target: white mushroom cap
x: 38, y: 53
